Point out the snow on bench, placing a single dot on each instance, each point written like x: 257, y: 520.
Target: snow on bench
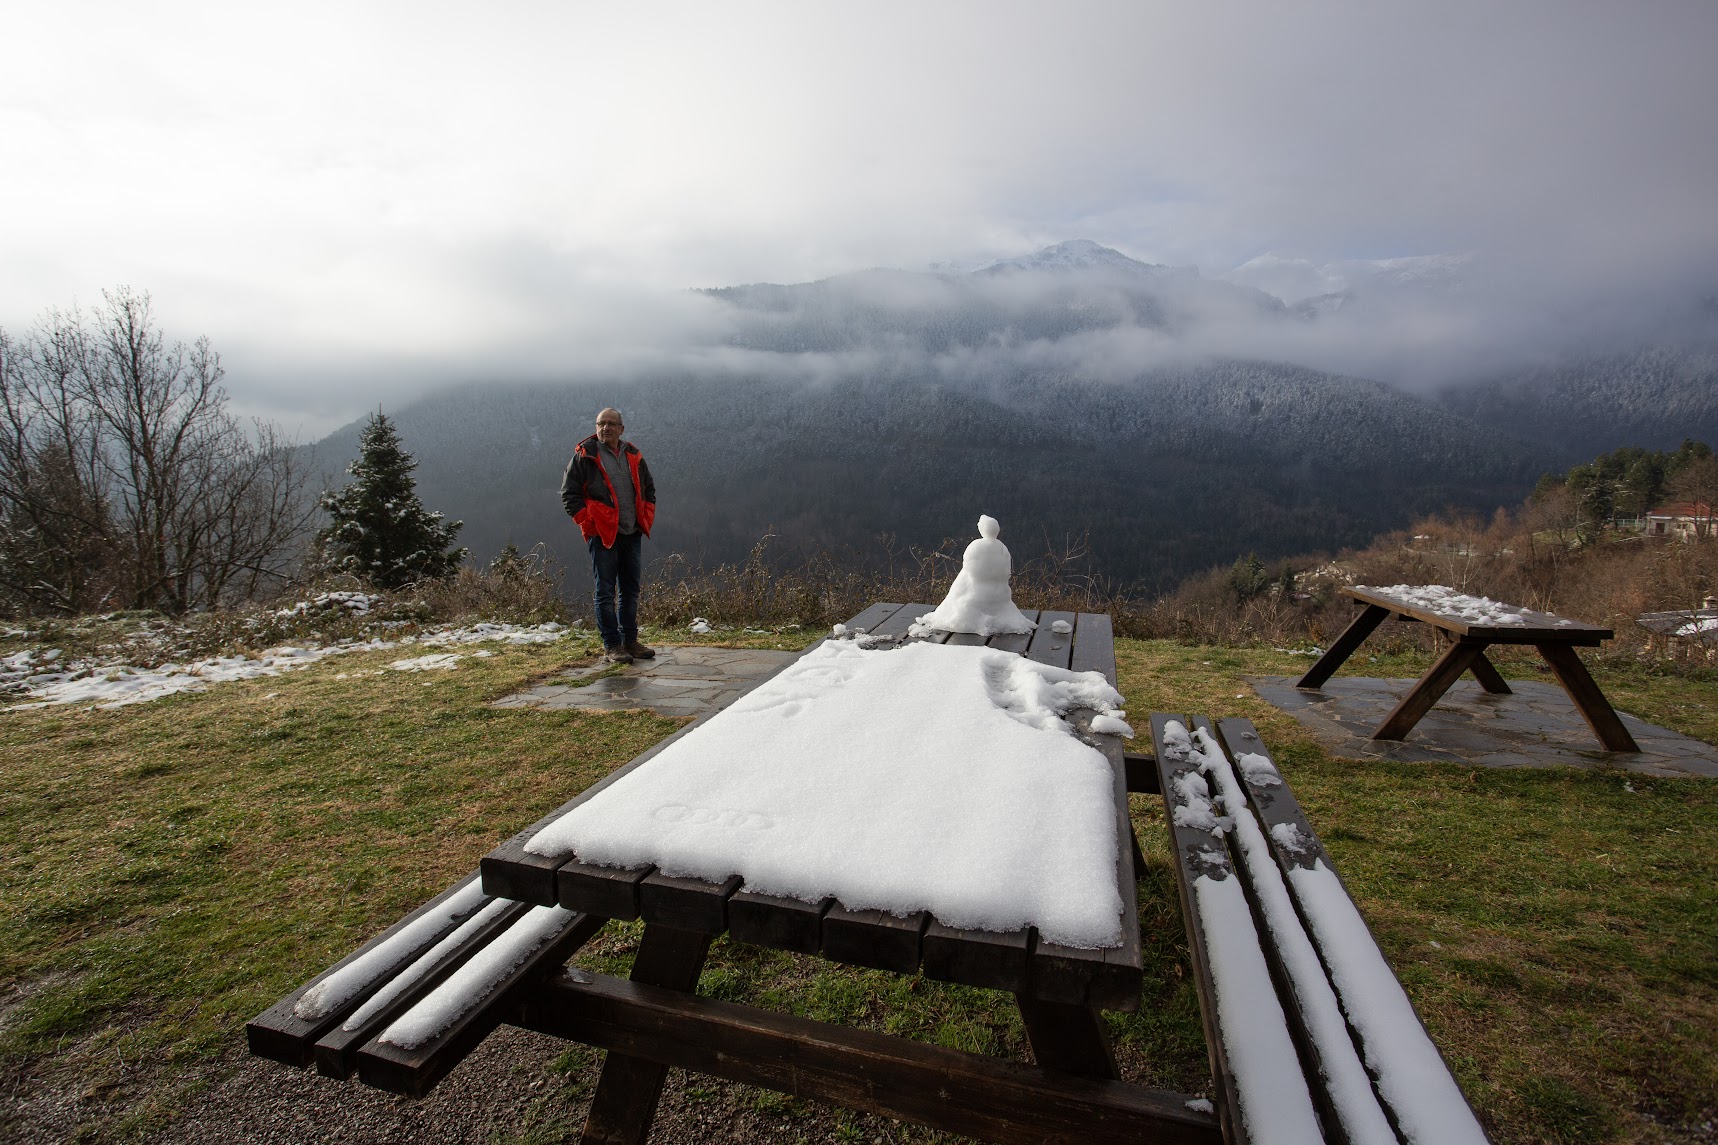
x: 1309, y: 1032
x: 408, y: 1005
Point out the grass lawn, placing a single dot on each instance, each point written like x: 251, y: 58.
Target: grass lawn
x: 172, y: 868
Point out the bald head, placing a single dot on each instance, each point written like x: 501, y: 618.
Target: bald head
x: 609, y: 427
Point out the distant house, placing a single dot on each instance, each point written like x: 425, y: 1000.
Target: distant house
x: 1683, y: 519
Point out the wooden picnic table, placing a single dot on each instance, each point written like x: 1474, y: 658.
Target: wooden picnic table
x: 459, y: 950
x: 1060, y: 990
x: 1555, y: 638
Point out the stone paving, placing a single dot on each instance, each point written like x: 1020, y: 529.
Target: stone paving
x: 687, y: 680
x: 1535, y: 726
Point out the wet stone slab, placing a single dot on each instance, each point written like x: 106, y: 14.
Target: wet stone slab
x: 1535, y: 726
x: 680, y: 681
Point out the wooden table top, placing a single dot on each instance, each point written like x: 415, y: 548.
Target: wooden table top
x: 1017, y: 961
x: 1535, y: 627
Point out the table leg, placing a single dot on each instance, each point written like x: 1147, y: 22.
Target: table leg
x: 1457, y: 659
x: 1591, y: 702
x: 1488, y: 676
x: 629, y: 1088
x: 1357, y: 631
x: 1072, y: 1039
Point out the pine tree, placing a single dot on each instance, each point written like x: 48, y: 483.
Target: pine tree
x: 378, y: 530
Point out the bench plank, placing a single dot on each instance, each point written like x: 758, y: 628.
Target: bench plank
x: 279, y: 1034
x: 1014, y: 641
x: 1200, y: 852
x: 1095, y: 645
x: 873, y: 615
x: 988, y: 1098
x: 686, y: 904
x: 873, y: 938
x: 991, y: 959
x: 1410, y: 1076
x: 1049, y: 646
x: 337, y: 1050
x: 903, y: 618
x: 779, y: 923
x: 610, y: 892
x: 415, y: 1071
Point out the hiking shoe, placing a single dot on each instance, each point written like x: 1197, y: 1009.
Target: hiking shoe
x: 617, y: 655
x: 639, y: 651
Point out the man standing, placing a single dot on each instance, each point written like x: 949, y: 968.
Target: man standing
x: 608, y: 492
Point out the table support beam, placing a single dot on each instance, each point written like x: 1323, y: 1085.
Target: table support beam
x: 630, y: 1087
x: 974, y: 1095
x: 1072, y: 1039
x: 1488, y: 676
x: 1352, y: 637
x: 1589, y: 700
x: 1456, y: 659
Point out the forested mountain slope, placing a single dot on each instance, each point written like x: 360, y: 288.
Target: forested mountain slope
x: 1166, y: 474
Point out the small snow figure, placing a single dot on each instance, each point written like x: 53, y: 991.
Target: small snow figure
x: 699, y: 626
x: 979, y: 600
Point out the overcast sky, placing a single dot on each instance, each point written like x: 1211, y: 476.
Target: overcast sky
x: 359, y: 200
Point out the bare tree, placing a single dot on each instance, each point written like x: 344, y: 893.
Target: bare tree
x: 116, y: 449
x: 1697, y: 484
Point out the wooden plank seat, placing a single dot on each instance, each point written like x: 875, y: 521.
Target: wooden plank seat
x: 341, y: 1019
x: 1309, y: 1033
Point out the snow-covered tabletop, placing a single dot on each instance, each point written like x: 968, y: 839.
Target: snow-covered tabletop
x: 921, y: 778
x: 1465, y: 613
x: 888, y: 800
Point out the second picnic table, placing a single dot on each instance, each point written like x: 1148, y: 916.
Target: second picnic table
x: 1555, y: 638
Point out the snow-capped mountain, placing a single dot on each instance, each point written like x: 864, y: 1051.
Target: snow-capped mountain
x: 1084, y: 255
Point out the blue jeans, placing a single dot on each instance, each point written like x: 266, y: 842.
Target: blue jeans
x: 621, y: 567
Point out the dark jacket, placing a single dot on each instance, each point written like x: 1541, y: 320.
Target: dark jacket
x: 588, y: 496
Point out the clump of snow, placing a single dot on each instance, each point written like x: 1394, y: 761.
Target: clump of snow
x: 1200, y: 1105
x: 979, y: 600
x: 1447, y: 601
x: 468, y: 985
x: 923, y: 778
x: 340, y: 986
x: 1061, y: 626
x: 839, y: 630
x: 434, y: 662
x: 699, y: 626
x: 357, y: 603
x: 1111, y: 725
x: 1259, y: 769
x: 504, y: 633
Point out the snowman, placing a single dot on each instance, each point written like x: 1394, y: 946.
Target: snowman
x: 979, y: 600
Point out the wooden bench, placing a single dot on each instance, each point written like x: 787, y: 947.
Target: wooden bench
x: 1554, y: 637
x: 1309, y: 1033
